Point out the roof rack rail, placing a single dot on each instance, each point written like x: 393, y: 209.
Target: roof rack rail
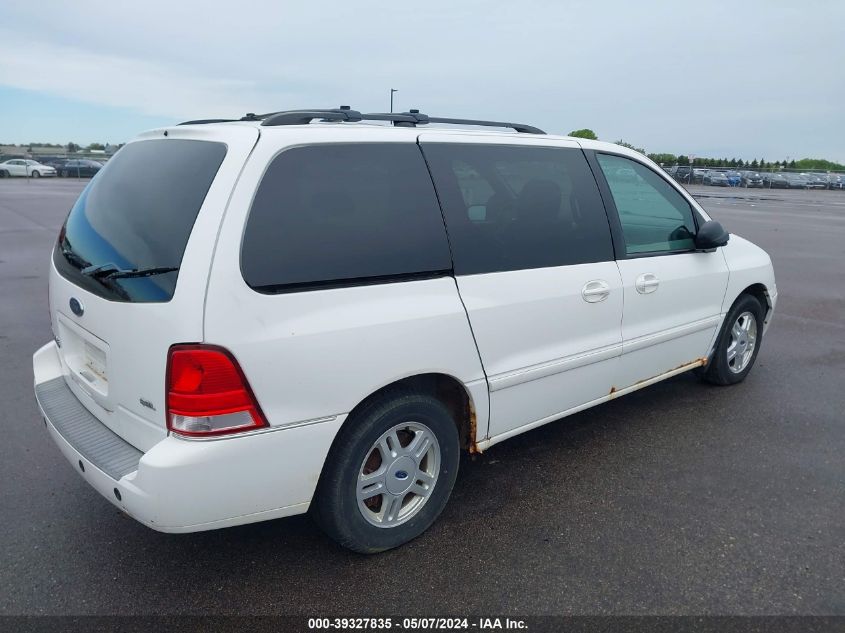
x: 303, y: 117
x: 414, y: 117
x: 249, y: 117
x: 399, y: 119
x: 204, y: 121
x: 289, y: 117
x: 519, y: 127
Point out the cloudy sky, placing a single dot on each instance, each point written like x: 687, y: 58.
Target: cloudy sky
x: 739, y: 79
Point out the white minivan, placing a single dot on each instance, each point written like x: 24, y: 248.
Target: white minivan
x: 319, y: 310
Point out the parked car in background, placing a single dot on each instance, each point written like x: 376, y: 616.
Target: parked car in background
x: 734, y: 178
x: 681, y: 173
x: 54, y: 162
x: 815, y: 181
x: 836, y: 181
x: 775, y: 180
x: 80, y: 167
x: 26, y: 168
x: 698, y: 175
x: 716, y: 179
x: 751, y: 179
x: 797, y: 181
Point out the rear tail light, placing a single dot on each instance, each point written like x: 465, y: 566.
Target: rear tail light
x: 208, y: 394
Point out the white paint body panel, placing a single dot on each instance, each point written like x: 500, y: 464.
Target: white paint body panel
x: 749, y: 264
x: 675, y: 323
x: 544, y: 348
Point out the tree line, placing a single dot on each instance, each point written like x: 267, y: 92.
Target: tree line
x: 70, y: 147
x: 814, y: 164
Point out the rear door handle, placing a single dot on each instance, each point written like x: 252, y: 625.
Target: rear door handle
x: 595, y: 291
x: 647, y: 283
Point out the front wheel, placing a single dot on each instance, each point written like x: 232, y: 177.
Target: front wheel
x: 36, y: 174
x: 389, y: 473
x: 739, y: 343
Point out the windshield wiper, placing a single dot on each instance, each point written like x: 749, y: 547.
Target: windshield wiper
x: 112, y: 271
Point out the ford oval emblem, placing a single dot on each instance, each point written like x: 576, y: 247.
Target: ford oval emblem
x: 76, y: 307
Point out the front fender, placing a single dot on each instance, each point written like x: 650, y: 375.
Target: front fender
x: 749, y: 265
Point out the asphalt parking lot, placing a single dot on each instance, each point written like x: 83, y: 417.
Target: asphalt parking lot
x: 681, y: 498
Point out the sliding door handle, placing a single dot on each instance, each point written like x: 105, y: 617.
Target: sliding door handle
x: 647, y: 283
x: 595, y: 291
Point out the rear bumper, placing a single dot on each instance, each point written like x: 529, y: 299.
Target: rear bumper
x: 185, y: 485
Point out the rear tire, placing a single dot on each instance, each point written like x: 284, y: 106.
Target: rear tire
x: 739, y: 343
x: 362, y: 501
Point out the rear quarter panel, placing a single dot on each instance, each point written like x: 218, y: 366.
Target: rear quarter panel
x: 316, y: 354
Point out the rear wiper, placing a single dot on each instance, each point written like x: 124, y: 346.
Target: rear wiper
x: 74, y: 259
x: 112, y: 271
x: 140, y: 272
x: 100, y: 270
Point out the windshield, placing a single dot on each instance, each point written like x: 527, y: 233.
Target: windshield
x: 137, y: 214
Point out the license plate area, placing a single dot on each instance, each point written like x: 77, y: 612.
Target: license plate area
x: 95, y: 361
x: 86, y: 358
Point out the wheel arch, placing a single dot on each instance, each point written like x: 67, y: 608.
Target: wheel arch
x: 760, y: 292
x: 450, y: 391
x: 763, y: 294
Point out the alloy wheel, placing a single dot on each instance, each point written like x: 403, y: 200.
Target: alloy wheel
x: 398, y: 474
x: 742, y: 343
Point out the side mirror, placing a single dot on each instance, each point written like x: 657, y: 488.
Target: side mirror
x: 710, y: 236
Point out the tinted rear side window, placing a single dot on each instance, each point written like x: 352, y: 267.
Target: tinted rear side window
x: 514, y: 207
x: 138, y: 213
x: 339, y: 214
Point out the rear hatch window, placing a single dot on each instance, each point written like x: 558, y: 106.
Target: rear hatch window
x: 125, y: 237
